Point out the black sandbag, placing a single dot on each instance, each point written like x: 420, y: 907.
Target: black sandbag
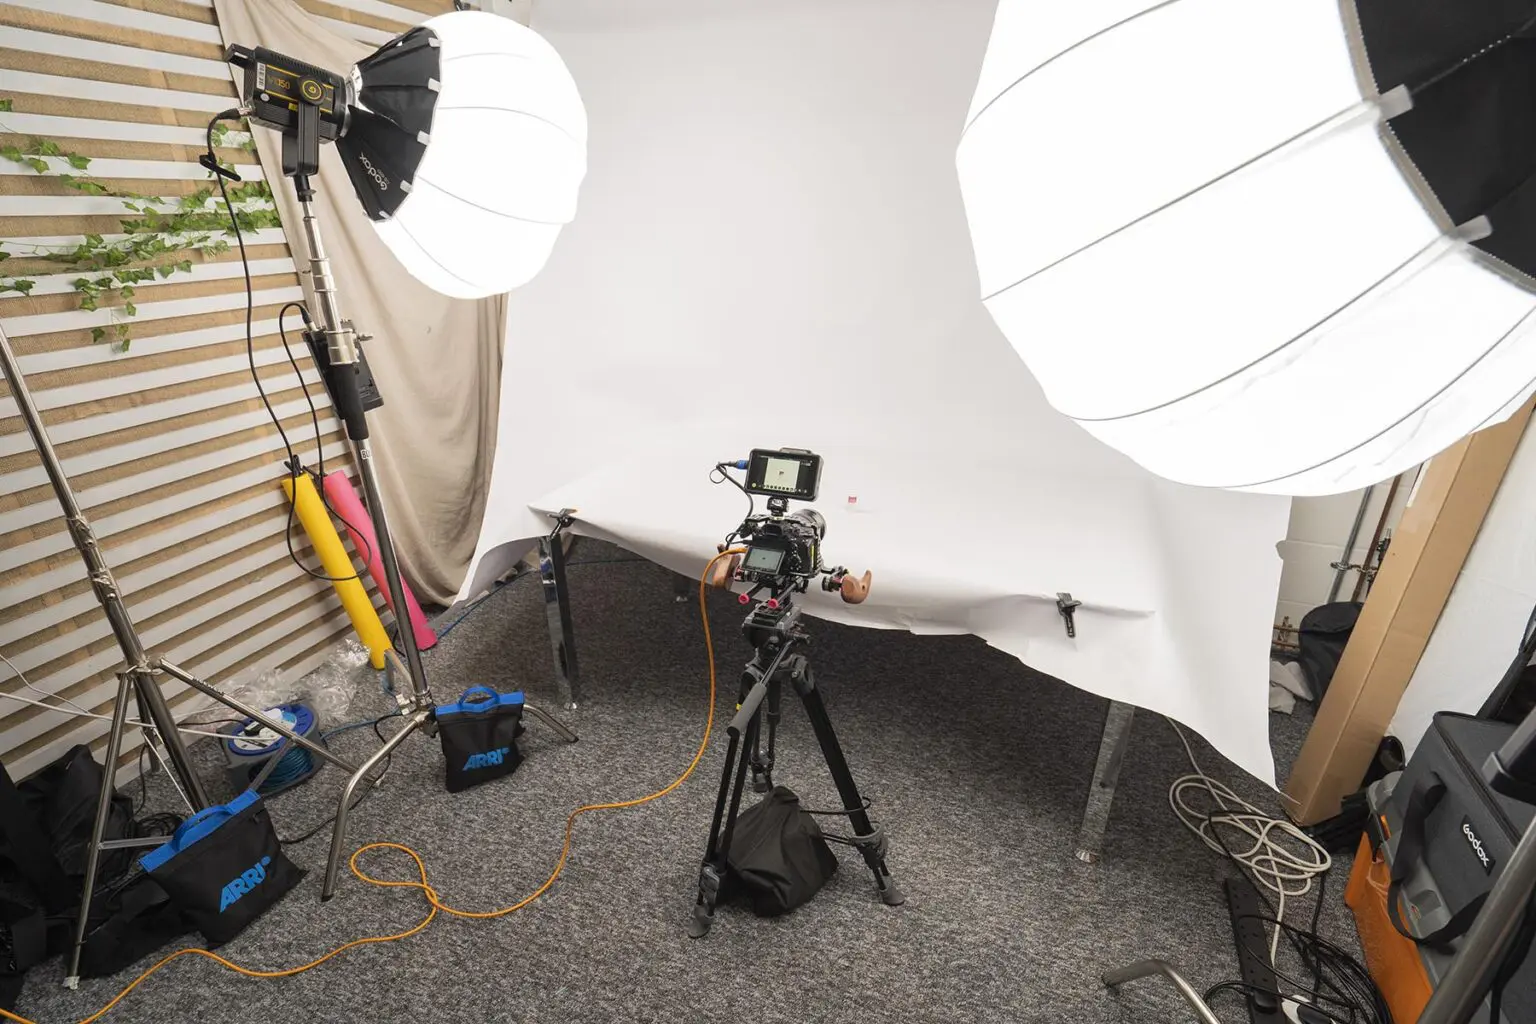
x: 778, y: 858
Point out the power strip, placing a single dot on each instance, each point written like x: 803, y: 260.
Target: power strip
x: 1263, y: 997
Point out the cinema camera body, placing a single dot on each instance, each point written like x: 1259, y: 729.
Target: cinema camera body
x: 783, y: 548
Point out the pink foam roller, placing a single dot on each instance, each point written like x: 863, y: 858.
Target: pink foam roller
x: 344, y: 500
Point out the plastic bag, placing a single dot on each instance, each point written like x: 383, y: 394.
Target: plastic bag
x: 327, y: 690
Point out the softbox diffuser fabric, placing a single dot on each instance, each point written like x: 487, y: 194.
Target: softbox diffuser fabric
x: 1272, y: 245
x: 772, y: 251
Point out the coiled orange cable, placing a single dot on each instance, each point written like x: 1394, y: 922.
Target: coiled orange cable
x: 435, y: 904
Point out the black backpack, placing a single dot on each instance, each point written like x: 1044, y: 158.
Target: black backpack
x: 45, y: 831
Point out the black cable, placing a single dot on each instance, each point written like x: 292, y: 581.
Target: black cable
x: 143, y: 785
x: 313, y: 415
x: 372, y: 785
x: 294, y: 465
x: 720, y: 467
x: 1317, y: 916
x: 1340, y: 978
x: 245, y: 266
x: 1356, y: 989
x: 319, y: 472
x: 866, y: 805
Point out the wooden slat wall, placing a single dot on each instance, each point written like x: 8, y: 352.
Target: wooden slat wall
x: 169, y: 449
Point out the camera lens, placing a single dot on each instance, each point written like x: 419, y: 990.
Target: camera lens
x: 810, y: 517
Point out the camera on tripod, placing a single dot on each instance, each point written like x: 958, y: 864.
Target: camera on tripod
x: 784, y: 548
x: 782, y: 555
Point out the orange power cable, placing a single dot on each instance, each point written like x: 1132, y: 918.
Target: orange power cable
x: 435, y: 904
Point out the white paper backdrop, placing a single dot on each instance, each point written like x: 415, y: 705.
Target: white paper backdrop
x: 771, y: 250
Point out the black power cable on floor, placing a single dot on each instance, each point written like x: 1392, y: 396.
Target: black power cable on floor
x: 372, y: 784
x: 1341, y: 984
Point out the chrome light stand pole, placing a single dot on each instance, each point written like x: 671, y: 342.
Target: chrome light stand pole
x: 301, y: 160
x: 136, y: 681
x: 418, y: 706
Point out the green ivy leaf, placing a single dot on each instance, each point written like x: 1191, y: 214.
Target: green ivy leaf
x: 24, y: 286
x: 11, y: 153
x: 37, y: 164
x: 5, y: 105
x: 127, y: 292
x: 78, y: 162
x: 122, y: 332
x: 88, y: 302
x: 97, y: 333
x: 46, y: 147
x: 4, y: 255
x: 130, y: 309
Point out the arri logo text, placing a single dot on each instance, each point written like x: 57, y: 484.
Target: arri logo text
x: 487, y: 759
x: 247, y: 881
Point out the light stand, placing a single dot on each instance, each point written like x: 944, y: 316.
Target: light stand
x: 301, y: 159
x: 136, y: 684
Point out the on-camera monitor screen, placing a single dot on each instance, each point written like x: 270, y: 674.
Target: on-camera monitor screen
x: 764, y: 559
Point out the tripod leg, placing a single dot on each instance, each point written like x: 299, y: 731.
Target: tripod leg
x: 874, y: 849
x: 99, y: 827
x: 762, y: 764
x: 733, y: 779
x: 711, y: 875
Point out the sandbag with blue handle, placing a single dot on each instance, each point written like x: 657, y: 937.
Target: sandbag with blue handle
x: 224, y: 867
x: 480, y: 736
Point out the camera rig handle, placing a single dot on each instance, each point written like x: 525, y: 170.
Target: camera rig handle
x: 853, y: 589
x: 724, y: 572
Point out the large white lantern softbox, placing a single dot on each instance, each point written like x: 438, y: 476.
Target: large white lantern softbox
x: 1272, y: 245
x: 466, y: 142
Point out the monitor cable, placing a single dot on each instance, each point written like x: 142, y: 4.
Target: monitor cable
x: 293, y: 464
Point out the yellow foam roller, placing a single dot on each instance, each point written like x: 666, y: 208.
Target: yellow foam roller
x: 312, y: 515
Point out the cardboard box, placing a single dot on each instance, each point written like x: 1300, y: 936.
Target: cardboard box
x: 1428, y: 548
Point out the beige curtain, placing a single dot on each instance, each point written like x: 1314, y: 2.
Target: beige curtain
x: 437, y: 360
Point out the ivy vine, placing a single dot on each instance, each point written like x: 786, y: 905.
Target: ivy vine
x: 160, y: 237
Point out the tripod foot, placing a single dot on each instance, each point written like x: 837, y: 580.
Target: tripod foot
x: 698, y: 924
x: 891, y: 895
x: 710, y: 880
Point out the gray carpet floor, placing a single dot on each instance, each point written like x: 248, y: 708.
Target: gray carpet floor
x: 977, y: 766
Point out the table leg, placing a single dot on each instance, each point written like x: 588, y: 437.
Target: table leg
x: 1101, y: 792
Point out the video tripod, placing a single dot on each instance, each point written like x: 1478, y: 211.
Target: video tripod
x: 774, y: 630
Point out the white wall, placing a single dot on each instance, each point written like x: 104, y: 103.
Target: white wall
x: 1480, y: 629
x: 770, y: 248
x: 1319, y: 527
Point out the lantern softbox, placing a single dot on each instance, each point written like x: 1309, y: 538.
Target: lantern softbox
x: 1273, y: 245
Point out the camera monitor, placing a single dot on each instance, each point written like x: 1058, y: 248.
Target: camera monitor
x: 789, y: 473
x: 764, y: 559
